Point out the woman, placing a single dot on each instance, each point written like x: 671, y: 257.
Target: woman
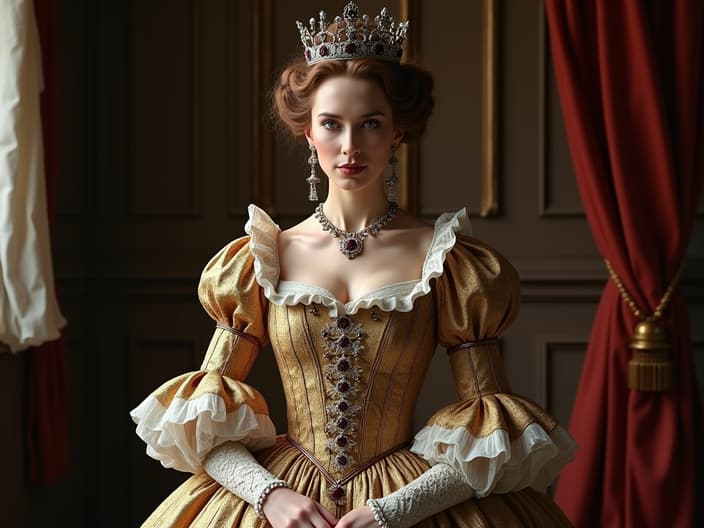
x: 354, y: 300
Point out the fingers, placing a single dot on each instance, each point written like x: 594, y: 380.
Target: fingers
x: 329, y: 517
x: 317, y: 516
x: 358, y: 518
x: 289, y: 509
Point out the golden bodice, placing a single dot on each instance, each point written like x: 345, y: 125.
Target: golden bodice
x: 351, y: 382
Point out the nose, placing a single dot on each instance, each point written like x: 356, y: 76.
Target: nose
x: 350, y: 144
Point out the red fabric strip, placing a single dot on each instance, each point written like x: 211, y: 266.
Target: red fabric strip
x: 47, y: 405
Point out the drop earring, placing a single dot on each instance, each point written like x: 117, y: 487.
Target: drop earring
x: 313, y: 179
x: 392, y: 180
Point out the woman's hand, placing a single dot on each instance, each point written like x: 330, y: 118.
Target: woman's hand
x: 360, y: 518
x: 284, y: 508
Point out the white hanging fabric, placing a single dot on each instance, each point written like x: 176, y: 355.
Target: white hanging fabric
x: 29, y: 312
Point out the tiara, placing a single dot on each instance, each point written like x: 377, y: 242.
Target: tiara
x: 353, y: 36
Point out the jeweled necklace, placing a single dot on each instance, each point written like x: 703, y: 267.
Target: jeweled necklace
x: 352, y: 243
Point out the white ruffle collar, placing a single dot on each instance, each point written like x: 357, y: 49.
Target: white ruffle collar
x: 264, y: 232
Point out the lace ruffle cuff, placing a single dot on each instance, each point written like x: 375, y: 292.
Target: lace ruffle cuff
x: 191, y: 414
x: 495, y: 460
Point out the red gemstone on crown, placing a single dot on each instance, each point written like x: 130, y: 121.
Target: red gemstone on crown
x: 343, y: 323
x: 323, y: 51
x: 350, y: 48
x: 343, y: 386
x: 308, y: 55
x: 343, y: 365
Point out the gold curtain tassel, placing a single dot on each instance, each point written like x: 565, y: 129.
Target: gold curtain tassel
x: 650, y: 368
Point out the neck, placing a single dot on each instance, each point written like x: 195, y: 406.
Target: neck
x: 353, y: 211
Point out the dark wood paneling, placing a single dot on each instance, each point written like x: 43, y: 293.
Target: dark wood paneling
x: 238, y: 109
x: 81, y: 191
x: 698, y: 346
x: 451, y: 150
x: 559, y: 366
x: 167, y: 174
x: 558, y: 195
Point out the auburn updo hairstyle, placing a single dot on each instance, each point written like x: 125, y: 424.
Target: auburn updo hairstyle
x: 408, y: 89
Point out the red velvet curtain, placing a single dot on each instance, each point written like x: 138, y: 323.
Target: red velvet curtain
x: 47, y: 420
x: 629, y: 75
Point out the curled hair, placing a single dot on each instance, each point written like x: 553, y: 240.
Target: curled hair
x: 408, y: 89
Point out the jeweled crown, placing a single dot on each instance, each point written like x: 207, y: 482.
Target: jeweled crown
x: 353, y: 36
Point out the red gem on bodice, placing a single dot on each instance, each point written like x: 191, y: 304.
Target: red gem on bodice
x: 341, y: 441
x: 342, y: 460
x: 343, y: 386
x: 342, y: 423
x: 337, y: 492
x: 344, y: 342
x: 343, y: 365
x: 343, y: 406
x: 343, y: 323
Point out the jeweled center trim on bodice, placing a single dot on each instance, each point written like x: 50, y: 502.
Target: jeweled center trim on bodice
x: 342, y: 346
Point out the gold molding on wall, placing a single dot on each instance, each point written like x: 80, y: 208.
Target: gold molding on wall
x: 490, y: 123
x: 262, y: 141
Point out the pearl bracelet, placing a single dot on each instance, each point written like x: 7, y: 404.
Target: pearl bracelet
x: 265, y: 493
x: 378, y: 514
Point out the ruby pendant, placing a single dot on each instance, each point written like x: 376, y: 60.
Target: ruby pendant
x: 351, y: 245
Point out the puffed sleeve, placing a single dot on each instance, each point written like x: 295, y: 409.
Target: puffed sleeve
x: 189, y: 415
x: 499, y: 440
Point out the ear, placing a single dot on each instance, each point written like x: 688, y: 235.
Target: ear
x: 398, y: 136
x: 309, y: 138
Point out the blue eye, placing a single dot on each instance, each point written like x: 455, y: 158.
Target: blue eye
x: 371, y: 123
x: 329, y: 124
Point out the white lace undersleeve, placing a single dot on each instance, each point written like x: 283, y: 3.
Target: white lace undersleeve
x: 232, y: 466
x: 438, y: 489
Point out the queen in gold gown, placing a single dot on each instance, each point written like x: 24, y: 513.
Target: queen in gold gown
x: 507, y: 446
x: 352, y: 371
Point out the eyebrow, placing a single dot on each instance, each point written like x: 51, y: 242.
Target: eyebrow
x: 335, y: 116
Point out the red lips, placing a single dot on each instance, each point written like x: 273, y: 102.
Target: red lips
x: 351, y: 168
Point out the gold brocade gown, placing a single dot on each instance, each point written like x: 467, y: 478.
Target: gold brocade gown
x: 351, y: 375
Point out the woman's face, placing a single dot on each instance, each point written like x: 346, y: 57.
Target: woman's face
x: 352, y: 130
